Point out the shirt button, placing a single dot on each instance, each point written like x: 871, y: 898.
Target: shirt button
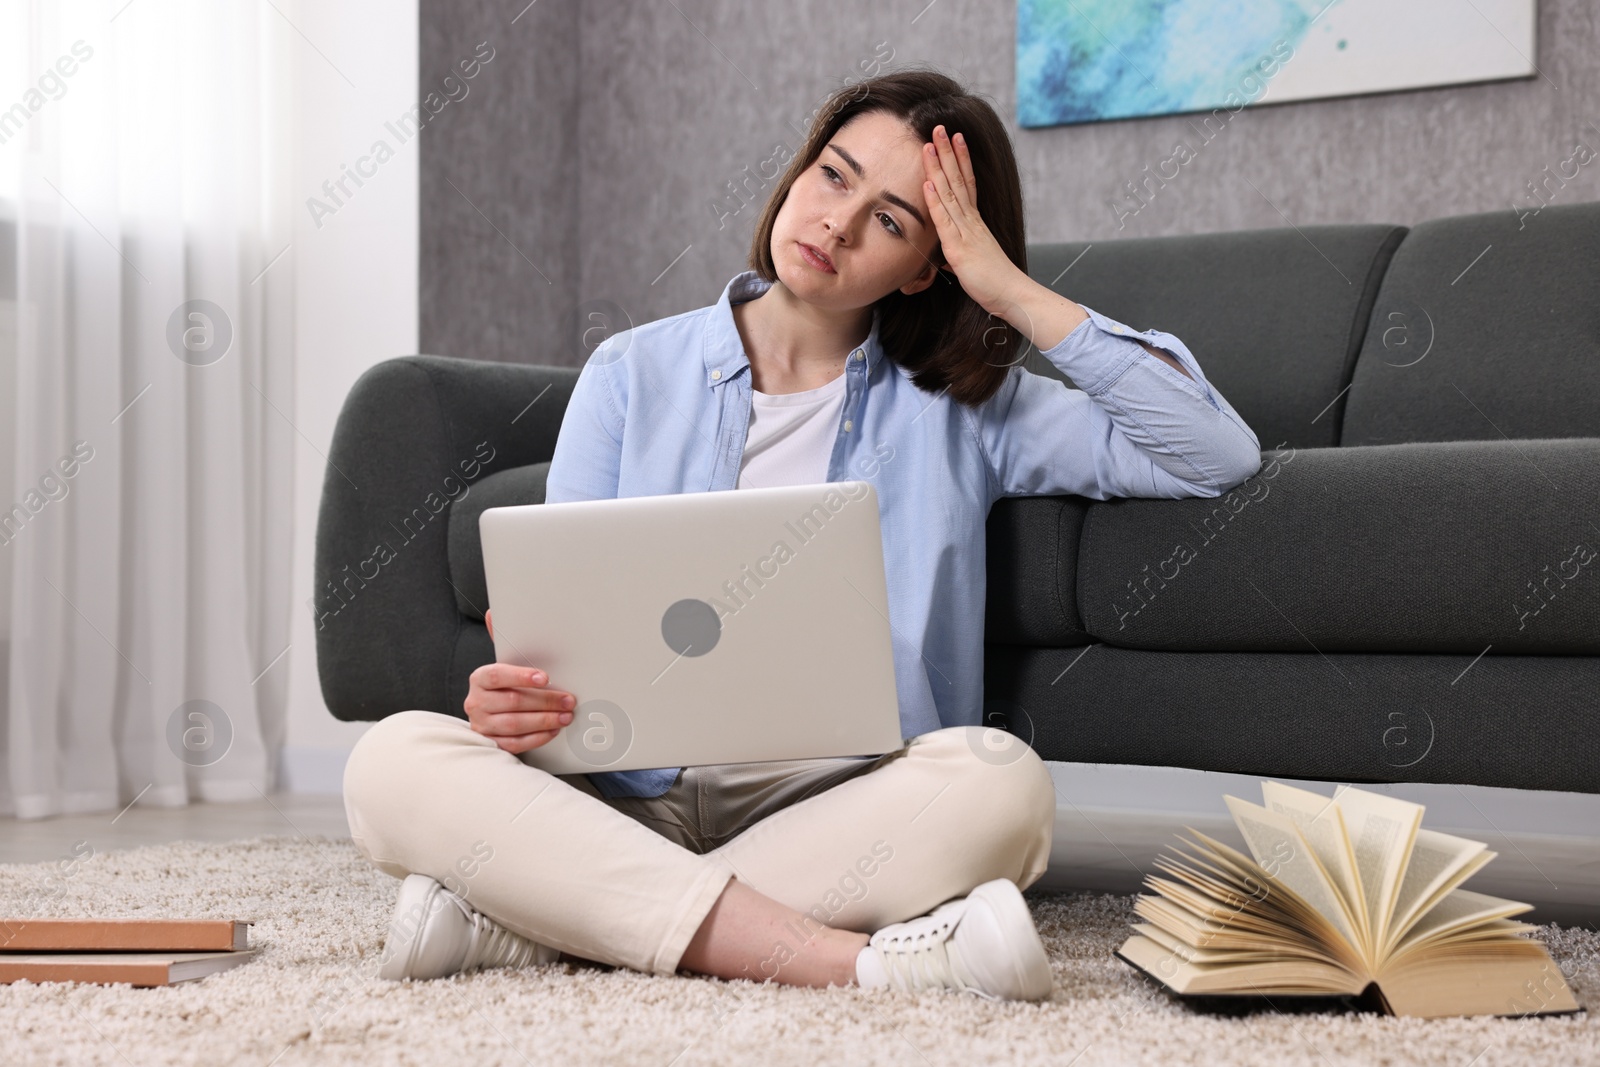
x: 847, y: 425
x: 716, y: 374
x: 1117, y: 329
x: 860, y: 355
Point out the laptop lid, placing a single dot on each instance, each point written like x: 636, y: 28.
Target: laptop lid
x: 700, y: 628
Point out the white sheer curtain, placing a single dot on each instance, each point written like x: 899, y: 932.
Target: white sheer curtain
x: 145, y: 507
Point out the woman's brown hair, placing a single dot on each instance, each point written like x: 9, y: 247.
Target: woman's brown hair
x: 941, y: 334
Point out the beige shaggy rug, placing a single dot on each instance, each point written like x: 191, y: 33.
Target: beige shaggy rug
x: 312, y: 996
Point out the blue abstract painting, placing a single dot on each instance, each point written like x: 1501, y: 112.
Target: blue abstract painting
x: 1092, y: 60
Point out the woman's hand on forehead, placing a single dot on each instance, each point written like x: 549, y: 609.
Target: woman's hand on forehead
x: 982, y: 267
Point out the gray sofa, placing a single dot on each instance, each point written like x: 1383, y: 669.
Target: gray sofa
x: 1408, y: 590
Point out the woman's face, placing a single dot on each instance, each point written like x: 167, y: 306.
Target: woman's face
x: 860, y: 203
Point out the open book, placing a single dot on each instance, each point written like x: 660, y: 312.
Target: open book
x: 1345, y: 896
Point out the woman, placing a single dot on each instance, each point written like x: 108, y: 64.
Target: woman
x: 876, y: 336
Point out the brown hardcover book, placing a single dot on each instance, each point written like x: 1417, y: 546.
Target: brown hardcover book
x: 136, y: 968
x: 1345, y: 897
x: 135, y: 935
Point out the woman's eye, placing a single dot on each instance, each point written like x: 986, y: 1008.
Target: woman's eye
x: 890, y: 224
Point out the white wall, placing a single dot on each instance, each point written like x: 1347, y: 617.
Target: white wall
x: 355, y: 293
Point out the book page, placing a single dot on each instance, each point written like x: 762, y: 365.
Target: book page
x: 1182, y: 950
x: 1275, y: 903
x: 1280, y: 850
x: 1439, y: 863
x: 1291, y: 976
x: 1321, y: 822
x: 1518, y: 979
x: 1215, y: 916
x: 1220, y: 881
x: 1382, y: 831
x: 1459, y: 910
x: 1196, y: 931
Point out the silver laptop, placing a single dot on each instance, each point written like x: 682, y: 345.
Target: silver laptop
x: 697, y: 628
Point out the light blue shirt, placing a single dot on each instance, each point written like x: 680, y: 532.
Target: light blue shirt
x: 664, y: 408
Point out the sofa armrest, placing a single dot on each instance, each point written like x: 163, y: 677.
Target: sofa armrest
x: 413, y: 436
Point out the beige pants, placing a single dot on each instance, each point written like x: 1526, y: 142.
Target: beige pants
x: 853, y: 844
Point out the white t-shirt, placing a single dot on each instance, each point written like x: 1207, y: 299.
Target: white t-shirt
x: 791, y: 436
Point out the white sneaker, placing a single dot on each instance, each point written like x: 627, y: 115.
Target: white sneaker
x: 436, y: 933
x: 983, y: 943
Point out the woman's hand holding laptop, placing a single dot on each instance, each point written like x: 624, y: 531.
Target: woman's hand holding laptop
x: 512, y: 705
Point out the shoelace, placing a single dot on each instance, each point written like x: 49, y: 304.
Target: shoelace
x: 493, y: 943
x: 918, y: 960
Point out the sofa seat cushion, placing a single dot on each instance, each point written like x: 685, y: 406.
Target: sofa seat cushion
x: 1450, y: 547
x: 1518, y: 722
x: 507, y: 488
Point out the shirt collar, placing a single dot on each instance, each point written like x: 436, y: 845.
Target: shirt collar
x: 724, y: 350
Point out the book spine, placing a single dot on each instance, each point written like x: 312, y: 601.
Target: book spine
x: 137, y: 972
x: 134, y: 935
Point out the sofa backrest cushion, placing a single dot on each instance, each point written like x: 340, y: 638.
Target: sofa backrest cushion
x: 1486, y: 327
x: 1275, y: 316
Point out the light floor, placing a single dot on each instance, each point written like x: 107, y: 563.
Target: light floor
x: 38, y: 840
x: 1095, y: 848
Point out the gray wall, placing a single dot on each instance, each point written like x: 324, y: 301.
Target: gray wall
x: 602, y: 135
x: 498, y: 184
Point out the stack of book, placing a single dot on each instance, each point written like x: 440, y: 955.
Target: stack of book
x: 141, y: 952
x: 1342, y: 897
